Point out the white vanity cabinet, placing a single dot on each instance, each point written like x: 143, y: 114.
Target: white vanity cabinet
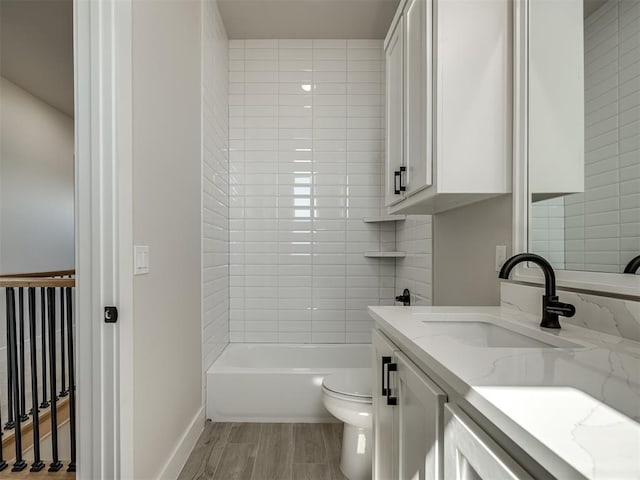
x: 420, y: 415
x: 418, y: 435
x: 408, y: 418
x: 385, y: 458
x: 471, y: 454
x: 449, y: 105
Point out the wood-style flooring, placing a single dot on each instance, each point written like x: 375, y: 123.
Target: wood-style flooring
x: 43, y: 474
x: 266, y: 451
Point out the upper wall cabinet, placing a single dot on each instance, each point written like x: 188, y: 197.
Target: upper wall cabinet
x: 448, y: 104
x: 556, y: 98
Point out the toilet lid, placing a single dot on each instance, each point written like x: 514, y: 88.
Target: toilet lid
x: 355, y: 382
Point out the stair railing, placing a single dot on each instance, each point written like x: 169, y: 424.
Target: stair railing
x: 39, y: 316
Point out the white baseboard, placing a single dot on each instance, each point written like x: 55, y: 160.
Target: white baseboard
x: 178, y: 458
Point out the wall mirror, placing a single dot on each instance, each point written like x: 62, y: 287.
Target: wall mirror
x: 583, y: 133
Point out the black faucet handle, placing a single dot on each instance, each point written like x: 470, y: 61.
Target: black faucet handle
x: 562, y: 309
x: 405, y: 298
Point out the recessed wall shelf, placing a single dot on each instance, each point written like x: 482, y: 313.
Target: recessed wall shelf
x: 385, y: 254
x: 385, y: 218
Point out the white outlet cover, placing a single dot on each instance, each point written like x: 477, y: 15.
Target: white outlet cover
x: 140, y: 259
x: 501, y: 256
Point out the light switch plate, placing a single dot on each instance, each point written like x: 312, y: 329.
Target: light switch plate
x: 140, y: 259
x: 501, y: 256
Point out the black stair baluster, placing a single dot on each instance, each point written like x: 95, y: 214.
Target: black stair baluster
x: 55, y: 464
x: 3, y: 463
x: 63, y: 373
x: 19, y: 464
x: 43, y: 339
x: 72, y: 381
x: 37, y: 464
x: 21, y: 375
x: 10, y: 421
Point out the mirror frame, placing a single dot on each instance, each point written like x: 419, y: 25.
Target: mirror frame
x: 610, y: 284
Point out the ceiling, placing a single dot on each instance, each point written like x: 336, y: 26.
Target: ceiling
x: 591, y: 6
x: 307, y: 18
x: 36, y: 36
x: 36, y: 49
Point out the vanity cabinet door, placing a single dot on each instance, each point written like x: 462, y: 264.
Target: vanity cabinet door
x: 394, y: 57
x: 384, y: 428
x: 418, y: 31
x: 420, y: 423
x: 471, y: 454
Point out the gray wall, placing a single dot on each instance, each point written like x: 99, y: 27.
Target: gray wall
x: 166, y: 216
x: 36, y: 184
x: 465, y: 242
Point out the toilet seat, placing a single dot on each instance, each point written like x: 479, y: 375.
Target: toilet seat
x: 351, y: 384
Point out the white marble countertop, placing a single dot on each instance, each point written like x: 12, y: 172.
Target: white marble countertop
x: 573, y: 409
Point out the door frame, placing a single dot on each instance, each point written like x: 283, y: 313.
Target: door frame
x: 103, y: 196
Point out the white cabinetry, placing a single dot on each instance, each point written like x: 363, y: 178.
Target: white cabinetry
x: 420, y: 414
x: 417, y: 435
x: 394, y: 61
x: 418, y: 88
x: 470, y: 454
x: 408, y: 418
x: 452, y: 115
x: 556, y: 98
x: 385, y: 459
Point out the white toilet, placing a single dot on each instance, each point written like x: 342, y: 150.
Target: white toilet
x: 347, y: 396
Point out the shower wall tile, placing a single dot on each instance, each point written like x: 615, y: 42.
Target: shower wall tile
x: 602, y: 225
x: 215, y: 185
x: 306, y: 143
x: 414, y: 271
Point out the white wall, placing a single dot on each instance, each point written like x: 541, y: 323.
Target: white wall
x: 215, y: 184
x: 167, y: 193
x: 36, y: 184
x: 464, y: 249
x: 306, y: 138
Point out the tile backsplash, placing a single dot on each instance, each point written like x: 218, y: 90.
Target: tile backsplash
x: 306, y: 158
x: 613, y: 316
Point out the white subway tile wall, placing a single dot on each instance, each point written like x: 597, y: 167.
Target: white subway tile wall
x: 306, y: 142
x: 603, y: 224
x: 215, y: 185
x: 414, y: 236
x: 547, y: 230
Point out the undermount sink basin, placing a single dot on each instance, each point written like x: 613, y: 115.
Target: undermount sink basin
x: 485, y: 334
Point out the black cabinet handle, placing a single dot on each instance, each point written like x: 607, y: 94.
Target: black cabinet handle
x: 397, y: 182
x: 385, y: 361
x: 391, y: 367
x: 403, y: 176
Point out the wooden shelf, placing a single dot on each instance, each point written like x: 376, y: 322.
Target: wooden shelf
x: 385, y: 254
x: 385, y: 218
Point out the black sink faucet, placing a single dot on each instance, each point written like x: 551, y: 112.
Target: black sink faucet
x: 633, y: 266
x: 551, y: 307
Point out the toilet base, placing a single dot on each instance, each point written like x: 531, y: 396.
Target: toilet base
x: 355, y: 461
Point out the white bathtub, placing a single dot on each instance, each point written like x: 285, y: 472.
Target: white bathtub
x: 276, y: 383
